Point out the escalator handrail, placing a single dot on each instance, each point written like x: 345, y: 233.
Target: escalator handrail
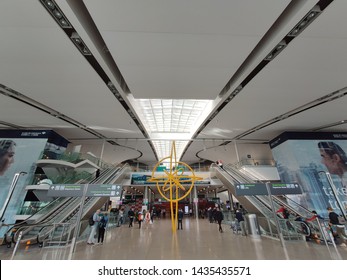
x: 280, y: 202
x: 313, y: 226
x: 262, y: 207
x: 15, y: 225
x: 291, y: 209
x: 38, y: 212
x: 261, y: 202
x: 109, y: 176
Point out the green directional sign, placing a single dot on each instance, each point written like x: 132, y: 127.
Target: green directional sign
x: 260, y: 189
x: 104, y: 190
x: 70, y: 190
x: 285, y: 188
x: 250, y: 189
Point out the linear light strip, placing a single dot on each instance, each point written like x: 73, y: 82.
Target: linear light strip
x: 321, y: 6
x: 327, y: 98
x: 82, y: 47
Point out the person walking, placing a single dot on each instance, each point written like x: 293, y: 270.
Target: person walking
x: 180, y: 218
x: 120, y: 217
x: 153, y: 213
x: 147, y: 218
x: 210, y: 214
x: 139, y: 218
x: 219, y: 218
x: 131, y: 215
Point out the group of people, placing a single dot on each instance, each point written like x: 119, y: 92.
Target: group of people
x: 333, y: 224
x: 147, y: 216
x: 214, y: 215
x: 140, y: 217
x: 144, y: 216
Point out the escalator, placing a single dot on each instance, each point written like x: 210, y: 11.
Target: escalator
x: 63, y: 212
x: 261, y: 205
x: 230, y: 178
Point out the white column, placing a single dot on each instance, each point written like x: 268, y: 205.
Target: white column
x: 236, y: 151
x: 196, y: 202
x: 145, y: 196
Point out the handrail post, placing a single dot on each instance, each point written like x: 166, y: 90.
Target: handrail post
x: 78, y: 222
x: 280, y: 234
x: 17, y: 243
x: 322, y: 230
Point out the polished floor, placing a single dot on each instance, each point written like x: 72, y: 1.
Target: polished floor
x: 199, y: 240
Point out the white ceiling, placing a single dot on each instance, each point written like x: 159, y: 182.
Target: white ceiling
x: 171, y: 49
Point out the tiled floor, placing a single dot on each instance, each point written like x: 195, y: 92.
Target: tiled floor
x: 199, y: 240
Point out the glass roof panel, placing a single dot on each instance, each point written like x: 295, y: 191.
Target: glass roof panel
x: 171, y: 116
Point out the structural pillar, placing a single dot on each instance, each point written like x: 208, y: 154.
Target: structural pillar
x: 145, y: 197
x: 231, y: 201
x: 196, y: 200
x: 102, y: 149
x: 236, y: 151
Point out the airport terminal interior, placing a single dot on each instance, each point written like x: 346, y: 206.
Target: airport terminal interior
x: 199, y: 240
x: 223, y: 117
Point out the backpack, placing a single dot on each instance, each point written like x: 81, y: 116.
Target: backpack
x: 91, y: 220
x: 102, y: 223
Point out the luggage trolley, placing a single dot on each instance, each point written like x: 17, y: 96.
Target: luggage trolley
x: 235, y: 226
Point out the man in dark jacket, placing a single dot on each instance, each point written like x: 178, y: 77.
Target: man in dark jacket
x: 218, y: 216
x: 180, y: 218
x: 131, y: 215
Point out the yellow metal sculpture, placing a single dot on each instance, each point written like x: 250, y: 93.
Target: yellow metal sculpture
x: 174, y: 181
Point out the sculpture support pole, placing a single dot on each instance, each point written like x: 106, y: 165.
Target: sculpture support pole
x: 174, y: 178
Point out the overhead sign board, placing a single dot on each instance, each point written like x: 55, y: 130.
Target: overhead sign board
x: 260, y: 189
x: 285, y: 188
x: 92, y: 190
x: 69, y: 190
x: 104, y: 190
x: 251, y: 189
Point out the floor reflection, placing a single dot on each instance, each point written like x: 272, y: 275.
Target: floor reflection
x: 199, y: 240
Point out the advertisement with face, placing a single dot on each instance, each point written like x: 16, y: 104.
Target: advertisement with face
x: 17, y: 155
x: 307, y: 162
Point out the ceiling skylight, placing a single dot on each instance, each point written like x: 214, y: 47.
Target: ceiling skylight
x: 172, y: 119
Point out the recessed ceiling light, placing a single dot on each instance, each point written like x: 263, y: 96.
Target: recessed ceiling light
x: 50, y: 4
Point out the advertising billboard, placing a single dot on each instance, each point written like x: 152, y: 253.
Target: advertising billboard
x: 305, y: 158
x: 17, y: 155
